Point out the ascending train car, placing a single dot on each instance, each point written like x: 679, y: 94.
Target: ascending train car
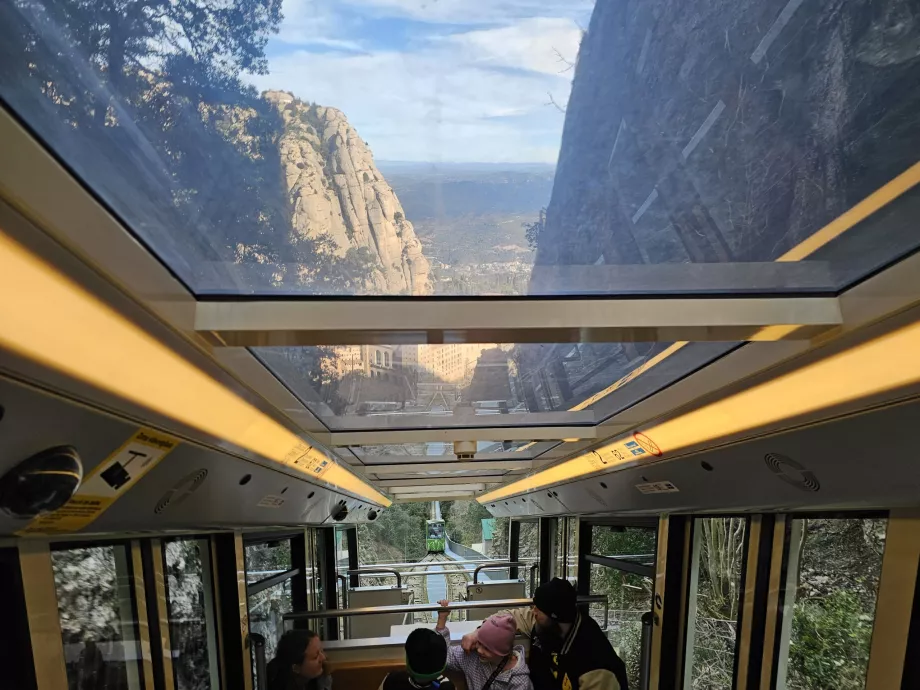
x: 435, y: 531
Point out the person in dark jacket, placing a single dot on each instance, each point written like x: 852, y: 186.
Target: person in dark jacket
x: 426, y: 660
x: 568, y: 651
x: 299, y: 663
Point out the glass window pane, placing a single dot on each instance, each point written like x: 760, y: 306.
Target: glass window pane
x: 628, y: 597
x: 571, y: 555
x: 833, y: 575
x: 686, y: 179
x: 192, y: 633
x: 480, y: 384
x: 718, y: 558
x: 636, y: 544
x: 95, y: 596
x: 267, y: 558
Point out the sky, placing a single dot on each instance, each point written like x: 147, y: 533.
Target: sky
x: 435, y: 80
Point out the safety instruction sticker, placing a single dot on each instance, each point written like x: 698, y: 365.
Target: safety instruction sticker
x: 270, y: 501
x: 308, y: 459
x: 657, y: 488
x: 106, y: 483
x: 639, y: 447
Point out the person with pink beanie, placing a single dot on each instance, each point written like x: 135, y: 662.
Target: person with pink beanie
x: 495, y: 662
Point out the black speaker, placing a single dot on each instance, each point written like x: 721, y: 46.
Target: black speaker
x: 42, y: 483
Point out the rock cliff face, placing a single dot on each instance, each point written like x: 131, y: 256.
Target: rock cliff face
x: 700, y: 132
x: 337, y: 191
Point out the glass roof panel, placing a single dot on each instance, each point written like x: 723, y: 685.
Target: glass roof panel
x: 504, y: 450
x: 370, y: 387
x: 477, y: 148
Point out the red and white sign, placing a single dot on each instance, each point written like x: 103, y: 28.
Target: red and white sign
x: 647, y: 444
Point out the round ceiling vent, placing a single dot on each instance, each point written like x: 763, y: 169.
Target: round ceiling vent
x: 792, y: 472
x: 181, y: 491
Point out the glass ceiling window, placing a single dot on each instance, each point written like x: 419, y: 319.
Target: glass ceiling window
x: 417, y: 148
x: 509, y: 450
x: 497, y: 385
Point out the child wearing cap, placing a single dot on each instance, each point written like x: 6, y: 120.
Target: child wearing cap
x: 426, y: 659
x: 495, y: 662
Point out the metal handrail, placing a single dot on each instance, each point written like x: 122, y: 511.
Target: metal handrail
x: 645, y: 650
x: 257, y: 642
x: 495, y: 566
x: 344, y: 589
x: 421, y: 608
x: 408, y: 608
x: 377, y: 571
x: 423, y: 573
x: 416, y: 564
x: 534, y: 567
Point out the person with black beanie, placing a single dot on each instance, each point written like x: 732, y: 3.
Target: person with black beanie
x: 568, y: 651
x: 426, y: 660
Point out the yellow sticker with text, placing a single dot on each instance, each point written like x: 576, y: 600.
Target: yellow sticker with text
x: 106, y: 483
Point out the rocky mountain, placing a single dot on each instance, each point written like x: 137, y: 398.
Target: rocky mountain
x: 337, y: 191
x: 697, y: 134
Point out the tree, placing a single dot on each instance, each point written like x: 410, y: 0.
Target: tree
x: 145, y: 99
x: 533, y: 231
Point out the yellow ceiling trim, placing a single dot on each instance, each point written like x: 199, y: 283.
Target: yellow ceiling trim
x: 48, y: 318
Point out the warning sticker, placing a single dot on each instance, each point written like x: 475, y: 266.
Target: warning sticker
x: 657, y: 488
x: 270, y: 501
x: 106, y: 483
x: 647, y: 444
x: 308, y: 459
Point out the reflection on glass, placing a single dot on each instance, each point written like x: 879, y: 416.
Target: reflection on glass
x: 831, y: 591
x: 636, y: 544
x: 266, y: 609
x: 718, y: 558
x: 685, y: 167
x: 529, y: 552
x: 96, y: 605
x: 190, y: 608
x: 628, y: 597
x: 263, y: 560
x: 479, y: 384
x: 571, y: 552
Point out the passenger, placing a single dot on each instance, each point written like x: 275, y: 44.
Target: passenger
x: 568, y: 651
x: 497, y: 664
x: 299, y: 663
x: 426, y: 659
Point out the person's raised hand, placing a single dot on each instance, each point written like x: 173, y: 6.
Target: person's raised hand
x: 469, y: 641
x: 443, y: 603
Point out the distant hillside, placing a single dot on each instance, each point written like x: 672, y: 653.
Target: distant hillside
x: 462, y: 189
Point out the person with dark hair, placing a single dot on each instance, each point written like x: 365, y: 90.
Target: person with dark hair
x: 426, y: 659
x: 568, y: 651
x: 299, y: 663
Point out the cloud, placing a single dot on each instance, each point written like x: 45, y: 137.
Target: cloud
x: 478, y: 11
x: 439, y: 93
x: 542, y: 44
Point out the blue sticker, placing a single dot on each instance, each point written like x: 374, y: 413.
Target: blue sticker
x: 638, y: 451
x: 631, y: 444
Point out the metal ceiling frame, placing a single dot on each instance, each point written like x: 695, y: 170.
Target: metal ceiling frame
x: 45, y: 192
x: 424, y: 483
x: 393, y: 321
x: 454, y: 466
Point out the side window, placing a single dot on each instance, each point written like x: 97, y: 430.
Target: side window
x: 190, y: 605
x: 719, y: 546
x: 267, y: 604
x: 622, y: 568
x: 95, y: 597
x: 831, y: 588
